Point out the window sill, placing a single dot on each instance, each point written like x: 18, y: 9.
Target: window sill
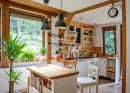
x: 27, y: 61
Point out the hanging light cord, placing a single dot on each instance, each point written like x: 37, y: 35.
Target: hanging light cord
x: 61, y: 6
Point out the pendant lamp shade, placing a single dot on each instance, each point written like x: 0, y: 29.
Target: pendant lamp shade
x: 45, y: 26
x: 61, y: 23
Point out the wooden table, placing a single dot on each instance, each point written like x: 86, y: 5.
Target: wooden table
x: 63, y: 80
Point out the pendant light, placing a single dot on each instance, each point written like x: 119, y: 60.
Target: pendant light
x: 45, y: 25
x: 60, y: 22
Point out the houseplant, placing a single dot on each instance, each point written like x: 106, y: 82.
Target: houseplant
x: 57, y: 55
x: 27, y: 55
x: 43, y: 51
x: 12, y: 49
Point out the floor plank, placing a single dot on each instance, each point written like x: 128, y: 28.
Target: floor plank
x: 105, y: 86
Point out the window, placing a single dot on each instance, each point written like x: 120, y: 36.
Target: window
x: 109, y: 39
x: 28, y: 30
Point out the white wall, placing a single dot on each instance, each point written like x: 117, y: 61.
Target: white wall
x: 128, y: 46
x: 99, y: 36
x: 54, y: 40
x: 22, y: 66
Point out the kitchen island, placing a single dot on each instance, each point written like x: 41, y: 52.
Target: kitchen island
x: 63, y: 80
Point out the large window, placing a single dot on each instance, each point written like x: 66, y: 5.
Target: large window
x: 28, y: 31
x: 109, y: 39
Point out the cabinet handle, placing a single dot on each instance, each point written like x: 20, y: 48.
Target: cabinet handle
x: 92, y: 62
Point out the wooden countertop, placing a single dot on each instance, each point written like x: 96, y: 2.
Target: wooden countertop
x: 61, y: 60
x: 52, y: 71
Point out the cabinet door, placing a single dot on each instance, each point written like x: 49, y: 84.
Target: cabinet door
x: 82, y: 68
x: 57, y: 63
x: 103, y: 67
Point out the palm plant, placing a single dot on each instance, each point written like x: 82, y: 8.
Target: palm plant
x: 12, y: 49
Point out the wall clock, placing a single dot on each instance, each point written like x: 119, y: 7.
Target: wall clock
x: 113, y: 12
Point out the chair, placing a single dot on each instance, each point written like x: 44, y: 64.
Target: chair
x: 91, y: 80
x: 70, y: 64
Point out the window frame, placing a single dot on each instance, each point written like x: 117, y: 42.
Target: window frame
x: 108, y: 29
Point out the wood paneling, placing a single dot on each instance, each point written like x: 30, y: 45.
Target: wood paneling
x: 48, y: 40
x: 28, y: 7
x: 78, y: 24
x: 123, y: 57
x: 96, y: 6
x: 5, y: 31
x: 98, y: 51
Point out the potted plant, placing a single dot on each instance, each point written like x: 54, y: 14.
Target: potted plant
x: 57, y: 55
x: 43, y: 51
x: 12, y: 49
x: 27, y: 55
x: 66, y: 55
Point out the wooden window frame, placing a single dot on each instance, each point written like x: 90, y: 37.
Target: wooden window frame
x: 103, y: 30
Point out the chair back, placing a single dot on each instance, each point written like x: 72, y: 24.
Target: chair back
x: 93, y: 72
x: 70, y: 64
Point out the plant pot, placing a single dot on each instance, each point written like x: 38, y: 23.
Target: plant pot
x: 57, y: 57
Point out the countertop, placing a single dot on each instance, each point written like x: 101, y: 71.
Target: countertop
x: 61, y: 59
x: 52, y: 71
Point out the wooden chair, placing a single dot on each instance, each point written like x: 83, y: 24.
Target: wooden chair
x: 91, y: 80
x: 70, y: 64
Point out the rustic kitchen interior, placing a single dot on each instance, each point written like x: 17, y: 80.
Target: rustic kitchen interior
x: 68, y: 49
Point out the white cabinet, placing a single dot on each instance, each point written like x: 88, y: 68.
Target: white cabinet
x: 82, y: 68
x: 103, y: 66
x: 57, y: 63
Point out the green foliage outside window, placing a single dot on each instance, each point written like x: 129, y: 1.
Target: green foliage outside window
x: 109, y: 42
x: 29, y: 31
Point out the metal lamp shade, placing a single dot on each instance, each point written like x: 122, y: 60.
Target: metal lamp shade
x: 45, y: 26
x: 61, y: 23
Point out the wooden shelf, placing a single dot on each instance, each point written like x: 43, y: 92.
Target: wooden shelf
x: 88, y: 35
x: 68, y: 42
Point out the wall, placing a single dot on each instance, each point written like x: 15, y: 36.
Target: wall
x: 128, y: 46
x: 22, y: 66
x: 56, y: 31
x: 99, y: 36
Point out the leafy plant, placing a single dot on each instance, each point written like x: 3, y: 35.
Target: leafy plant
x: 66, y: 54
x: 14, y: 76
x: 12, y: 49
x: 27, y: 55
x: 43, y: 50
x: 57, y: 52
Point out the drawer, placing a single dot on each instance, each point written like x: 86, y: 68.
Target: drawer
x: 110, y: 68
x: 111, y: 74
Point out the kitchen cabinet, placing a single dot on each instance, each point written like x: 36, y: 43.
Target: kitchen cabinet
x: 82, y: 68
x: 103, y: 66
x: 57, y: 63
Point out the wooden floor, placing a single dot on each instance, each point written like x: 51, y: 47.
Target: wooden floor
x: 105, y: 86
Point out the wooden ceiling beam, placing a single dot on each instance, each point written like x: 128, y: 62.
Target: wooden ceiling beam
x: 26, y: 8
x: 96, y: 6
x: 39, y: 6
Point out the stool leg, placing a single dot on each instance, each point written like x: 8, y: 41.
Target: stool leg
x: 81, y: 89
x: 96, y: 88
x: 89, y: 89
